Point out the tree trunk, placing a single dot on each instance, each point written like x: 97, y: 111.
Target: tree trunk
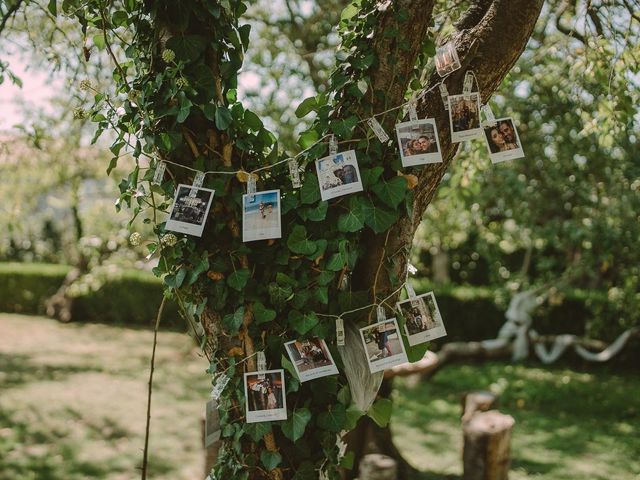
x: 487, y: 446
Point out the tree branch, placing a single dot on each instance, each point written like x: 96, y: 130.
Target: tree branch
x: 7, y: 16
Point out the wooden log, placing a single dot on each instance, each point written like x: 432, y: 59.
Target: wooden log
x: 480, y: 401
x: 375, y: 466
x: 487, y: 446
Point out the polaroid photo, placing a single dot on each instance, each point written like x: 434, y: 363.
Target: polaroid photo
x: 383, y: 345
x: 338, y: 175
x: 503, y: 141
x: 464, y: 117
x: 212, y: 424
x: 418, y: 142
x: 311, y: 358
x: 447, y: 60
x: 423, y: 319
x: 261, y: 216
x: 265, y: 396
x: 189, y: 213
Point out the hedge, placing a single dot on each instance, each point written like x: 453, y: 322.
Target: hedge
x: 131, y: 298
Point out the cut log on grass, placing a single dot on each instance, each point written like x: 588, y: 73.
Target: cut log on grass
x: 473, y: 402
x: 487, y: 446
x: 378, y: 467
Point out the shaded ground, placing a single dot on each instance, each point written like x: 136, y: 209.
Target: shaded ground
x: 72, y: 406
x: 569, y: 425
x: 73, y: 400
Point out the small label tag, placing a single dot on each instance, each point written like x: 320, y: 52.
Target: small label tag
x: 333, y: 145
x: 158, y: 176
x: 212, y: 423
x: 294, y: 173
x: 344, y: 283
x: 197, y: 183
x: 412, y: 295
x: 412, y: 269
x: 413, y: 113
x: 444, y: 93
x: 262, y: 362
x: 339, y: 332
x: 488, y: 114
x: 218, y: 387
x: 468, y: 84
x: 382, y: 316
x: 251, y: 186
x: 378, y: 130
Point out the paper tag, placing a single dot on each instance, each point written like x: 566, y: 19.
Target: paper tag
x: 382, y: 316
x: 467, y: 86
x: 218, y: 387
x: 413, y: 113
x: 378, y: 130
x: 488, y: 114
x: 212, y: 423
x: 251, y: 186
x: 444, y: 93
x: 411, y: 269
x: 262, y: 362
x: 158, y: 176
x: 412, y: 295
x: 294, y: 173
x: 197, y: 183
x: 333, y: 145
x: 340, y: 332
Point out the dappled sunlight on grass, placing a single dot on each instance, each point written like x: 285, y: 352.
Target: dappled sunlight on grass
x: 73, y: 402
x: 569, y: 424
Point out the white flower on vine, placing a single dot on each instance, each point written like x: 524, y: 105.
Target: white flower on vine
x: 79, y: 113
x: 168, y: 55
x: 182, y: 83
x: 135, y: 238
x: 169, y: 240
x: 86, y: 85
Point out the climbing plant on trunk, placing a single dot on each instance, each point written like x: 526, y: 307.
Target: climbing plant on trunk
x: 175, y: 74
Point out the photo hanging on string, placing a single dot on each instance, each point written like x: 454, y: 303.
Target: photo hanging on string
x: 189, y: 213
x: 446, y: 59
x: 464, y: 117
x: 212, y: 424
x: 338, y: 175
x: 502, y: 139
x: 311, y: 358
x: 418, y: 142
x: 261, y: 216
x: 423, y: 321
x: 265, y: 396
x: 383, y: 345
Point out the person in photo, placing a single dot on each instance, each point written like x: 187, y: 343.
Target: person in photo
x: 508, y: 133
x: 465, y: 115
x: 496, y: 140
x: 272, y: 403
x: 261, y: 216
x: 383, y: 344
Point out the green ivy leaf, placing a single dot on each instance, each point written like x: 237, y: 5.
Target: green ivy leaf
x: 308, y: 138
x: 380, y: 411
x: 370, y: 176
x: 258, y: 430
x: 302, y: 323
x: 353, y: 220
x: 261, y: 314
x: 209, y: 111
x: 333, y: 419
x: 252, y: 120
x: 52, y: 7
x: 279, y: 295
x: 377, y: 218
x: 223, y: 118
x: 336, y: 262
x: 347, y: 460
x: 306, y: 106
x: 392, y: 192
x: 185, y: 108
x: 296, y: 424
x: 232, y: 321
x: 306, y: 471
x: 353, y: 415
x: 270, y: 460
x: 310, y: 191
x: 299, y: 243
x: 238, y: 279
x: 321, y: 294
x: 187, y: 47
x: 319, y: 213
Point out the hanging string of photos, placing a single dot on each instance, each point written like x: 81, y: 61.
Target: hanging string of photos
x: 338, y: 174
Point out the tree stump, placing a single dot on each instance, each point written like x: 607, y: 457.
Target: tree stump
x: 487, y: 446
x: 375, y: 466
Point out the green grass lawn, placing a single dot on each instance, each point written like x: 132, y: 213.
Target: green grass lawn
x: 569, y: 425
x: 73, y: 399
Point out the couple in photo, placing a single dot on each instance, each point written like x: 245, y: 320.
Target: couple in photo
x: 420, y: 145
x: 501, y: 137
x: 465, y: 115
x: 263, y: 395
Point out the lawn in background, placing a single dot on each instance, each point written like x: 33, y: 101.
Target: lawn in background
x: 569, y: 425
x: 73, y: 399
x: 73, y: 402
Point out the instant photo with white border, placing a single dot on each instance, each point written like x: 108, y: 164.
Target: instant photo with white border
x: 446, y: 59
x: 392, y: 352
x: 189, y: 213
x: 507, y: 146
x: 261, y: 219
x: 311, y: 358
x: 263, y: 410
x: 464, y: 130
x: 211, y: 424
x: 338, y: 175
x: 418, y: 142
x: 431, y: 324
